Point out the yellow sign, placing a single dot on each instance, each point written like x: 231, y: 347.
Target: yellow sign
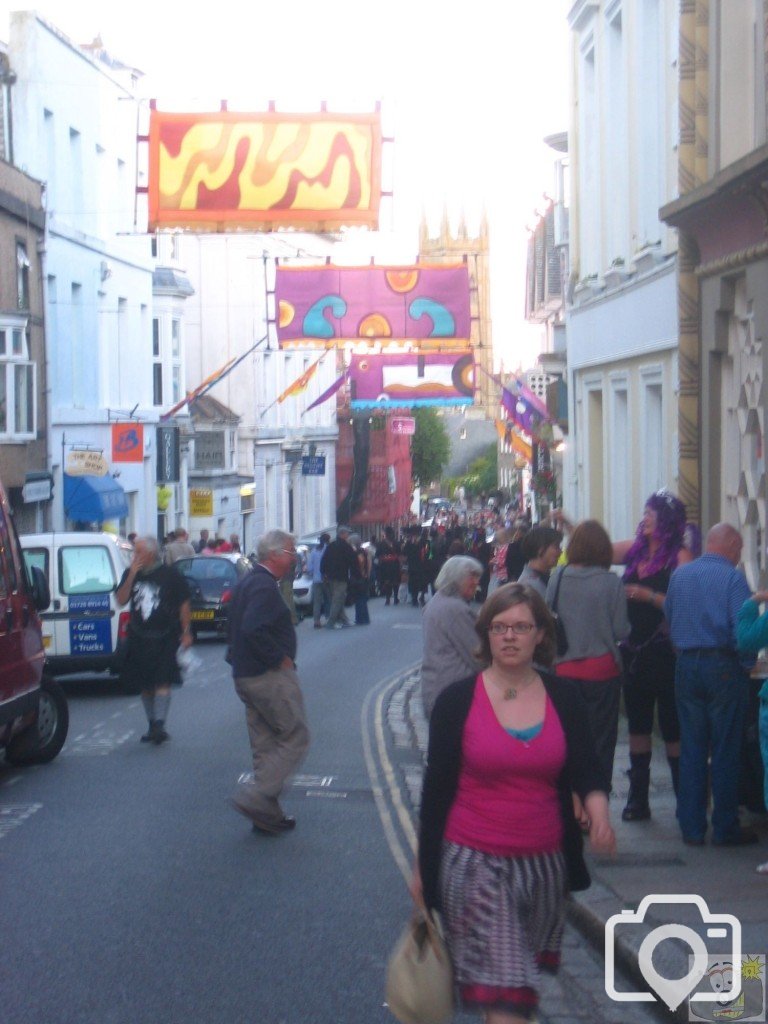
x: 200, y: 502
x: 86, y: 464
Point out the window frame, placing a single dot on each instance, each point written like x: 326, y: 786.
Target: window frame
x: 14, y: 355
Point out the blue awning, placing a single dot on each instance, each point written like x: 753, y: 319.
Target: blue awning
x: 94, y: 499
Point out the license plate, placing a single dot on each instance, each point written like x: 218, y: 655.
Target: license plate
x: 197, y: 616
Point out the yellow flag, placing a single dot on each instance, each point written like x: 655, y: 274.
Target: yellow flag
x: 300, y: 384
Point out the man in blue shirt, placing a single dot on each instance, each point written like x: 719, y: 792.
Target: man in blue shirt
x: 711, y: 686
x: 321, y: 600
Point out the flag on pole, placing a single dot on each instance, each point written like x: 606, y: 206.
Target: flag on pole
x: 526, y: 414
x: 521, y: 446
x: 301, y: 383
x: 205, y: 385
x: 328, y: 392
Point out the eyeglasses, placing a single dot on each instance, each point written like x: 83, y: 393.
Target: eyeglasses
x: 518, y: 628
x: 290, y: 551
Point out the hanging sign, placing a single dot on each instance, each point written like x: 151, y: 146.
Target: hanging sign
x: 313, y: 465
x: 80, y: 463
x: 403, y: 425
x: 127, y: 442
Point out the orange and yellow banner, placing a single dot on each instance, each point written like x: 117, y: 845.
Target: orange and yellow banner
x: 265, y: 171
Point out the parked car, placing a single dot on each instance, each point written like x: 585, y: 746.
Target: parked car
x: 34, y: 716
x: 302, y: 582
x: 83, y: 628
x: 212, y: 578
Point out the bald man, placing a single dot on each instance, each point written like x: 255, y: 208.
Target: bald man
x: 711, y: 687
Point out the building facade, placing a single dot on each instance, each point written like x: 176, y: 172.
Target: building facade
x: 621, y: 317
x: 74, y: 126
x: 721, y: 213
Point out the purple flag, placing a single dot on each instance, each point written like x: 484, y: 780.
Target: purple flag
x: 328, y: 392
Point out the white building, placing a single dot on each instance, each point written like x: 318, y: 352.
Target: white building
x: 253, y: 466
x: 622, y: 316
x: 74, y: 128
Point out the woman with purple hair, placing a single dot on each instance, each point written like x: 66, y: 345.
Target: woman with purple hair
x: 649, y: 659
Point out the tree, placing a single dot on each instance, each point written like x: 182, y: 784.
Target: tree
x: 430, y: 447
x: 482, y: 476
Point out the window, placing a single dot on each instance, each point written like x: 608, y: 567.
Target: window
x: 175, y: 338
x: 176, y: 357
x: 157, y: 383
x: 85, y: 570
x: 22, y: 276
x: 176, y: 383
x: 37, y: 558
x: 17, y: 384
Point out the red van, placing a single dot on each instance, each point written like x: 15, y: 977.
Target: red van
x: 34, y: 717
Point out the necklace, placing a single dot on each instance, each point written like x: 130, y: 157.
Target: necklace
x: 510, y: 693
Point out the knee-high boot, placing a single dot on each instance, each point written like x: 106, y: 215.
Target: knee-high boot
x: 674, y: 771
x: 637, y: 808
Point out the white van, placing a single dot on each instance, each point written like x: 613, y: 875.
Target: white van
x: 83, y: 623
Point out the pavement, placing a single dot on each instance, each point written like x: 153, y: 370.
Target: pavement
x: 651, y: 860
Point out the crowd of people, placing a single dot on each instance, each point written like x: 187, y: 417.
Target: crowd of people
x: 531, y: 638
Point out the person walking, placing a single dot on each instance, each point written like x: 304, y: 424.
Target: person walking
x: 321, y: 600
x: 159, y: 622
x: 202, y: 543
x: 648, y: 656
x: 338, y: 566
x: 541, y: 548
x: 593, y: 610
x: 262, y: 650
x: 711, y: 687
x: 179, y: 547
x: 389, y: 558
x: 360, y: 583
x: 499, y: 846
x: 448, y: 625
x: 752, y: 635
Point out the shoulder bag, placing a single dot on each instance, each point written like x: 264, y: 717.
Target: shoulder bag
x: 560, y: 634
x: 419, y: 987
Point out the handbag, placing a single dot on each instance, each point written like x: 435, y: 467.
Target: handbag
x: 419, y: 987
x: 561, y: 637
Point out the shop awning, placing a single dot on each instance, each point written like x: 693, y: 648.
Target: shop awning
x: 94, y: 499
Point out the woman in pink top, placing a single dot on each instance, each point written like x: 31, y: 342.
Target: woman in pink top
x: 499, y: 846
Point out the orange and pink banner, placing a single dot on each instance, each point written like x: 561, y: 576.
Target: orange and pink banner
x: 426, y: 304
x: 411, y: 379
x: 265, y: 171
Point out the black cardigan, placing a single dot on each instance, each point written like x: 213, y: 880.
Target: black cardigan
x: 580, y: 774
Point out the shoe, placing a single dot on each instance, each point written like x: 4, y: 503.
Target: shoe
x: 339, y: 625
x: 741, y: 838
x: 260, y: 824
x: 386, y: 601
x: 149, y: 734
x: 318, y: 625
x: 693, y: 841
x: 287, y: 823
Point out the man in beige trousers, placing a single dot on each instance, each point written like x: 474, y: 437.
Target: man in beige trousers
x: 262, y: 651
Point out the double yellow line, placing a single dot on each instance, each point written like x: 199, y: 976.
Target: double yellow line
x: 396, y: 818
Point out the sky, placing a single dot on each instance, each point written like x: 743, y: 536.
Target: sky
x: 468, y: 91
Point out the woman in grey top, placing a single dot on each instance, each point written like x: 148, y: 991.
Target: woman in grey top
x: 593, y: 609
x: 450, y: 639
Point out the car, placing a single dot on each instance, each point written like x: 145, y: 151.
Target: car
x: 211, y: 579
x: 302, y: 582
x: 34, y: 715
x: 83, y: 630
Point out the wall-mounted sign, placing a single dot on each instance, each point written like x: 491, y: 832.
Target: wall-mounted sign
x: 200, y: 502
x: 168, y: 455
x: 403, y: 425
x: 127, y: 442
x: 80, y: 463
x: 37, y: 487
x: 209, y: 450
x: 313, y: 465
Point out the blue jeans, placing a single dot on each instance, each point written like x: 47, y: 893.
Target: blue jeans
x: 711, y: 691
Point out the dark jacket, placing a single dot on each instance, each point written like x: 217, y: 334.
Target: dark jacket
x: 339, y: 562
x: 261, y: 631
x: 441, y: 779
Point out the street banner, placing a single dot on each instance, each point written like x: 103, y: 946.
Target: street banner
x: 410, y: 380
x: 301, y: 383
x: 264, y: 171
x: 85, y: 463
x: 521, y: 446
x: 425, y: 304
x: 127, y: 442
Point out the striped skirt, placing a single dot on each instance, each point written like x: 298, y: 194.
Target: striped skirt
x: 504, y: 919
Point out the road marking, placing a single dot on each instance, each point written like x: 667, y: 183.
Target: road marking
x: 97, y: 744
x: 403, y: 855
x: 13, y: 815
x: 407, y: 625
